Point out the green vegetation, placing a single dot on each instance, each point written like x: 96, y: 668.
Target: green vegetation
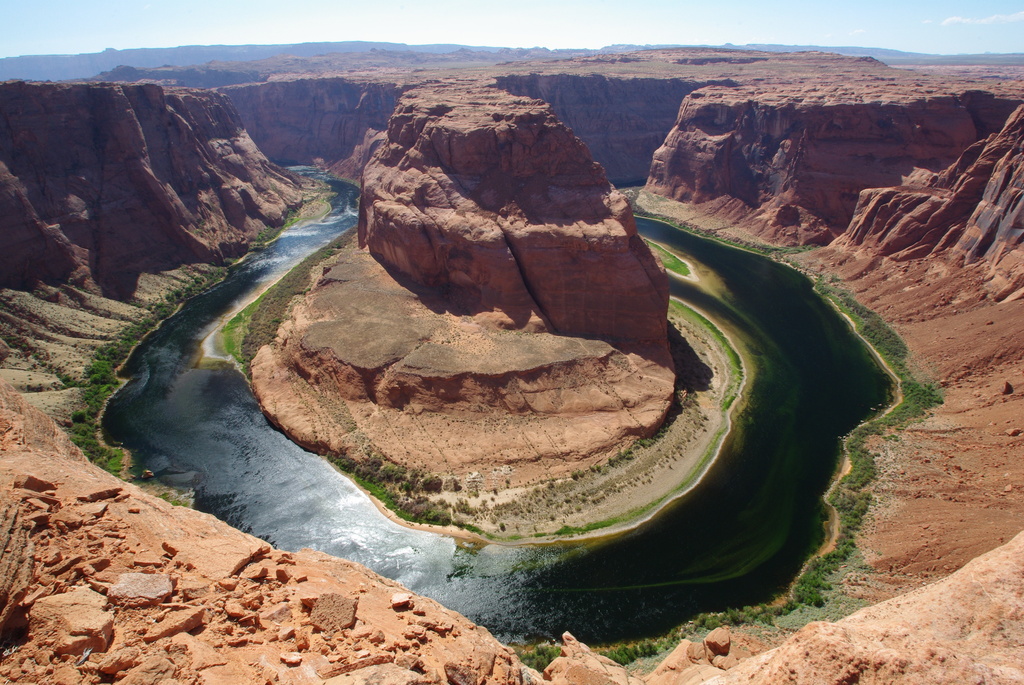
x: 234, y: 332
x: 671, y: 262
x: 538, y: 656
x: 735, y: 363
x: 257, y: 324
x: 627, y: 653
x: 401, y: 490
x: 271, y: 233
x: 100, y: 379
x: 174, y: 499
x: 918, y: 397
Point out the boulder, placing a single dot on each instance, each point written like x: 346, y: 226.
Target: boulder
x: 72, y: 622
x: 383, y: 674
x: 333, y: 612
x: 140, y: 589
x: 718, y: 641
x: 578, y: 665
x: 176, y: 622
x: 156, y: 670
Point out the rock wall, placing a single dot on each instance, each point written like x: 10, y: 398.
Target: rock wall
x: 622, y: 120
x: 332, y: 121
x: 972, y: 212
x: 99, y: 183
x: 491, y: 197
x: 791, y: 162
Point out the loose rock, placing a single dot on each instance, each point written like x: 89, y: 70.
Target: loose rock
x: 140, y: 589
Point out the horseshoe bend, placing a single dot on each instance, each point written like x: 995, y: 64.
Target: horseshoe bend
x: 496, y: 343
x: 501, y: 322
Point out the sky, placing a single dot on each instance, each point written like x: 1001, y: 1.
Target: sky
x: 938, y: 26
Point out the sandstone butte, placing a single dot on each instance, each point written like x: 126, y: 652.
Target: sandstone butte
x: 501, y: 314
x: 102, y: 582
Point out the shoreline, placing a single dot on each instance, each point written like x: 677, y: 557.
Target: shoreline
x: 215, y: 335
x: 128, y: 459
x: 845, y: 466
x: 832, y: 524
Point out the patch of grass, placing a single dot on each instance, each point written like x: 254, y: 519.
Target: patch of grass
x: 257, y: 324
x: 540, y: 655
x: 400, y: 489
x: 100, y: 378
x: 174, y: 499
x: 672, y: 263
x: 235, y: 331
x: 735, y: 363
x: 627, y: 653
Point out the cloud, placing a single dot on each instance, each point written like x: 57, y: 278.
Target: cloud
x: 994, y: 19
x: 857, y: 32
x: 927, y: 21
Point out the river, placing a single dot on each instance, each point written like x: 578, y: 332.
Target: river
x: 734, y: 540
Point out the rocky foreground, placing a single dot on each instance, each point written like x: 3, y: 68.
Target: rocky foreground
x: 113, y: 584
x: 103, y: 583
x: 504, y: 315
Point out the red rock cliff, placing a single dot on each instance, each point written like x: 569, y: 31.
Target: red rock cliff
x: 622, y: 120
x: 786, y: 154
x: 491, y: 197
x: 973, y: 212
x: 99, y: 183
x: 335, y: 120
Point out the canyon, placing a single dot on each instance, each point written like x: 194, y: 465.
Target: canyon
x: 909, y: 182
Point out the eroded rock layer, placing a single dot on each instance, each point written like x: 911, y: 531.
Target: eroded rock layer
x: 504, y: 313
x: 973, y: 211
x: 788, y: 159
x: 99, y: 183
